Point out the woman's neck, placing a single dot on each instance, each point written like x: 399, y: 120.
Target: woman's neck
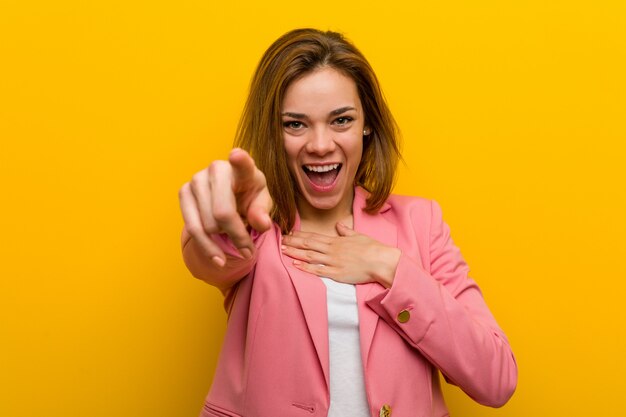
x: 328, y: 228
x: 324, y: 221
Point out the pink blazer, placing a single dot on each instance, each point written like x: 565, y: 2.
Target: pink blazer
x: 274, y: 359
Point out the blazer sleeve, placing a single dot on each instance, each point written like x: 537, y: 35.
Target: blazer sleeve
x: 445, y: 317
x: 235, y: 268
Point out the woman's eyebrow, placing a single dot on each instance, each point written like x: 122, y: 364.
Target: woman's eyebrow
x: 294, y: 115
x: 341, y: 110
x: 304, y: 116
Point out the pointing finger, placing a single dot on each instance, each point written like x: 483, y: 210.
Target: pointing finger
x: 244, y: 169
x: 224, y: 208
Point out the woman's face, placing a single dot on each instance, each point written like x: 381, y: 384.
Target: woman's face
x: 323, y: 124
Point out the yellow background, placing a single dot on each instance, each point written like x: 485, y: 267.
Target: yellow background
x: 513, y: 119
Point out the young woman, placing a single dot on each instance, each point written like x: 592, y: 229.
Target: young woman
x: 342, y: 300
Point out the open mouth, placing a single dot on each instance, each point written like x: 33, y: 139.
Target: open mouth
x: 322, y: 175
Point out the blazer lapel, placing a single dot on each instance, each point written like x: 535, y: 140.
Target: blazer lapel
x: 376, y: 227
x: 311, y: 293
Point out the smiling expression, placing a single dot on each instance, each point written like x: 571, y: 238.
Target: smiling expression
x: 323, y: 122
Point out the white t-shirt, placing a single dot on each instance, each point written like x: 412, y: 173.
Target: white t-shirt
x: 347, y: 385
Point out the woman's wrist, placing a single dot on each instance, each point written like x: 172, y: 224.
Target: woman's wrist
x: 388, y: 264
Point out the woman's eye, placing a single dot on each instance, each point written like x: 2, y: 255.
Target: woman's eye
x: 293, y: 125
x: 341, y: 121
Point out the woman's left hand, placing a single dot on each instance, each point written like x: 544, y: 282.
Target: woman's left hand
x: 351, y: 257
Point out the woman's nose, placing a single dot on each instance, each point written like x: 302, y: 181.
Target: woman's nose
x: 321, y: 142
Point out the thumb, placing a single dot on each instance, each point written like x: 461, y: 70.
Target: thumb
x: 258, y: 213
x: 344, y: 230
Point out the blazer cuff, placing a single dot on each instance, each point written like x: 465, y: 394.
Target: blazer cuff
x: 405, y: 305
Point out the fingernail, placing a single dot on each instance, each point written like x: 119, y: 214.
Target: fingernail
x: 246, y: 253
x: 283, y: 247
x: 218, y: 261
x: 297, y: 263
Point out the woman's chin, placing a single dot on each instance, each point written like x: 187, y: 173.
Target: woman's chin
x: 326, y: 203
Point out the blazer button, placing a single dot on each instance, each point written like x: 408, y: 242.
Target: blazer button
x: 385, y: 411
x: 404, y: 316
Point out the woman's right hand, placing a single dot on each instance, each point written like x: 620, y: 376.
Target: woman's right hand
x: 225, y: 198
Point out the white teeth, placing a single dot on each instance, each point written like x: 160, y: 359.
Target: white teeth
x: 321, y: 168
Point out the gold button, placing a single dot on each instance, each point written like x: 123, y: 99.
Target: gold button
x: 404, y: 316
x: 385, y: 411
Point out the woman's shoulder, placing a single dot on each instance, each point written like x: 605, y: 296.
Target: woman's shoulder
x: 417, y: 207
x: 408, y: 200
x: 412, y: 204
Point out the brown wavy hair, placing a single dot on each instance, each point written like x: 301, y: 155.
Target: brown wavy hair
x: 293, y: 55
